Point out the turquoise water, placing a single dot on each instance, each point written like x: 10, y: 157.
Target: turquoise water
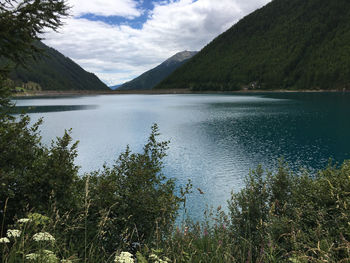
x: 215, y: 139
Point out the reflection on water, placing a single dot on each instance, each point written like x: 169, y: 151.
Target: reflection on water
x: 46, y: 109
x: 215, y: 139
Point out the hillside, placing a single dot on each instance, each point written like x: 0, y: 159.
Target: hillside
x: 54, y: 71
x: 287, y: 44
x: 115, y: 87
x: 154, y: 76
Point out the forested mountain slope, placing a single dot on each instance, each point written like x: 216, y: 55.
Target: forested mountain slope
x: 152, y: 77
x: 288, y: 44
x: 54, y: 71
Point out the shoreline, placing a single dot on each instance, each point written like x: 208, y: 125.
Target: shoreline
x: 158, y: 92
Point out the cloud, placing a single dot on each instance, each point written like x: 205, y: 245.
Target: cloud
x: 125, y: 8
x: 117, y: 53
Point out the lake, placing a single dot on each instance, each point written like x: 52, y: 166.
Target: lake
x: 215, y: 139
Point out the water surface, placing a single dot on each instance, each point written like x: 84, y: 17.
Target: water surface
x: 215, y: 139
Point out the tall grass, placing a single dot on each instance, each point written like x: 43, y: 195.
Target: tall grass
x: 276, y: 217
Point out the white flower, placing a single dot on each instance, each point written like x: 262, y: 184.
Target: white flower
x: 153, y: 256
x: 48, y: 252
x: 51, y: 259
x: 167, y: 259
x: 23, y: 220
x: 32, y: 256
x: 47, y: 255
x: 43, y: 236
x: 156, y: 259
x: 13, y: 233
x: 124, y: 257
x: 4, y: 240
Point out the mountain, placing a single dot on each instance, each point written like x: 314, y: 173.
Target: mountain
x: 115, y: 87
x: 287, y: 44
x: 152, y: 77
x: 54, y: 71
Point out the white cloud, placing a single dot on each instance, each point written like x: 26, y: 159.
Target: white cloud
x: 125, y: 8
x: 117, y: 53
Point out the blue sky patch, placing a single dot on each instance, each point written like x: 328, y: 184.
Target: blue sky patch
x: 137, y: 22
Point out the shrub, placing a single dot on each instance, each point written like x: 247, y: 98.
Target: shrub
x: 133, y: 200
x: 303, y: 217
x: 33, y: 176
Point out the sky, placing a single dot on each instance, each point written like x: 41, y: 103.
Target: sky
x: 120, y: 39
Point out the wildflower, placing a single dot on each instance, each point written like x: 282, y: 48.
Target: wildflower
x: 4, y: 240
x: 32, y: 256
x: 153, y: 256
x: 13, y: 233
x: 124, y: 257
x: 157, y: 259
x: 48, y: 252
x: 47, y: 256
x: 23, y: 220
x: 167, y: 259
x: 43, y: 236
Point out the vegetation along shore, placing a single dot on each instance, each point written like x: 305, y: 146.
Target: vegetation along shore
x: 154, y: 92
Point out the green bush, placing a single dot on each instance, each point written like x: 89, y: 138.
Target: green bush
x: 33, y: 176
x: 304, y: 217
x: 133, y: 200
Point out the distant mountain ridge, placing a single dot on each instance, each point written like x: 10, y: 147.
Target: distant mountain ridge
x: 287, y: 44
x: 151, y: 78
x: 115, y: 87
x: 54, y: 71
x: 179, y: 57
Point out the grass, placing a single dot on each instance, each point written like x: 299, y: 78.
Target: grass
x: 297, y: 228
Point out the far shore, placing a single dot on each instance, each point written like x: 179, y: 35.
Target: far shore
x: 155, y: 92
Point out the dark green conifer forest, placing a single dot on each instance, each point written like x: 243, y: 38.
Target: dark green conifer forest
x: 53, y: 71
x: 287, y: 44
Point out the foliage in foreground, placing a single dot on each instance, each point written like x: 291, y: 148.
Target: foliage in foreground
x: 21, y: 25
x: 300, y: 217
x: 276, y: 217
x: 131, y: 201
